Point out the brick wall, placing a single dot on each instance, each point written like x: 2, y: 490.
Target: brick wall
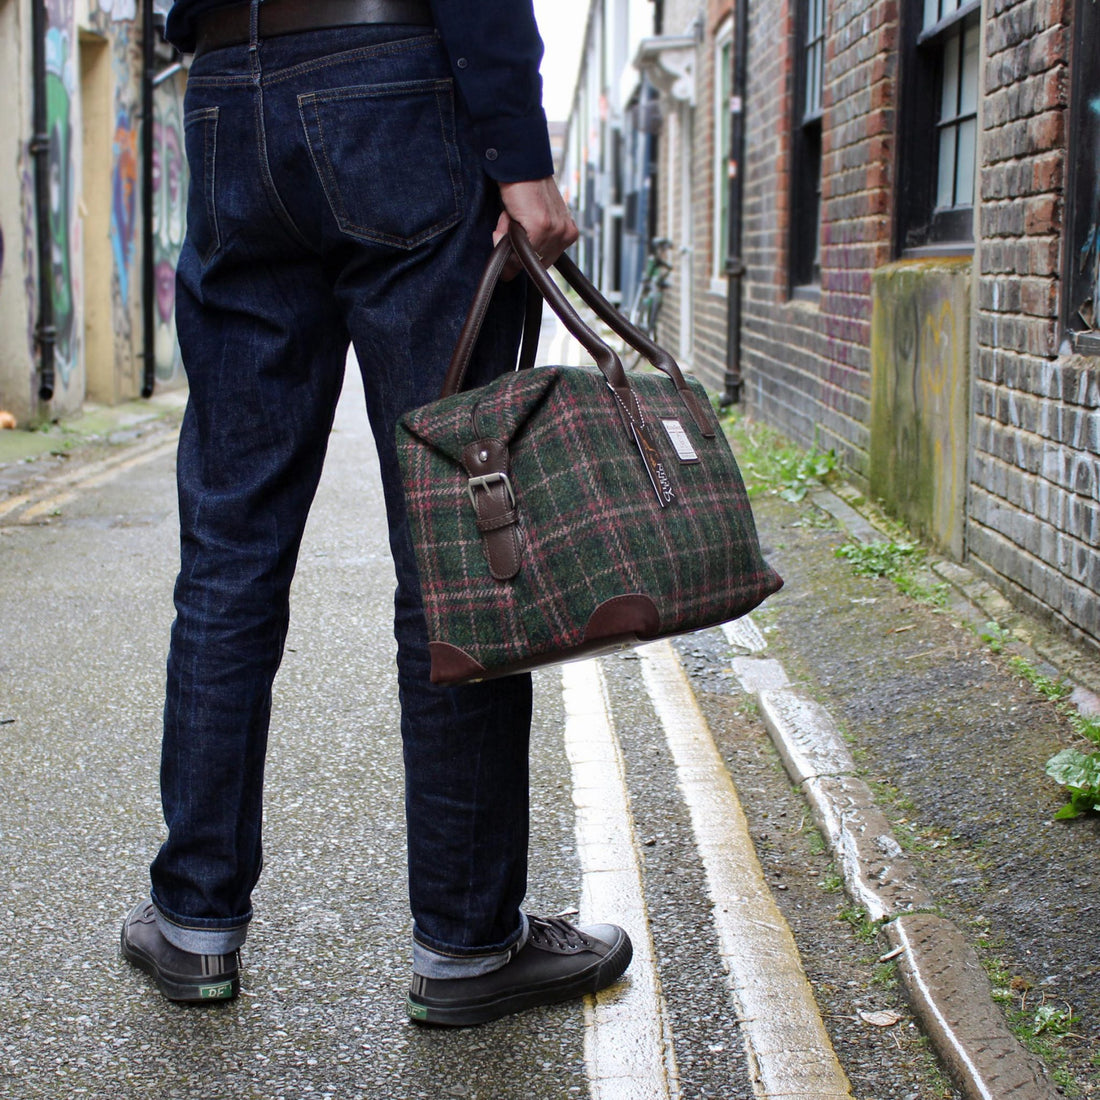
x: 711, y: 323
x: 1034, y: 513
x: 807, y: 361
x: 1033, y: 507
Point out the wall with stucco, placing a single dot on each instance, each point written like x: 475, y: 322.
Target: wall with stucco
x: 920, y: 371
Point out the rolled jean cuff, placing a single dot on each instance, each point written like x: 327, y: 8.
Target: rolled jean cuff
x: 436, y: 964
x: 200, y: 941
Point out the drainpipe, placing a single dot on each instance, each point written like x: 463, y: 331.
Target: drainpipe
x: 148, y: 271
x: 735, y: 263
x: 45, y: 330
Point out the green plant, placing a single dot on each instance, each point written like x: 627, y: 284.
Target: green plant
x: 1079, y: 773
x: 994, y: 635
x: 885, y: 975
x: 881, y: 559
x: 771, y: 463
x: 1054, y: 690
x: 1087, y: 725
x: 935, y: 594
x: 804, y: 472
x: 865, y: 929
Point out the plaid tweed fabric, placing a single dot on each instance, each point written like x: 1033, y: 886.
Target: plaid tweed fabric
x: 591, y: 528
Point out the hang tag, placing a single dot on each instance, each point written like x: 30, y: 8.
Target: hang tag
x: 681, y: 444
x: 655, y: 466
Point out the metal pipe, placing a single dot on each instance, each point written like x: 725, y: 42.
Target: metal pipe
x: 148, y: 269
x: 735, y: 263
x: 45, y: 329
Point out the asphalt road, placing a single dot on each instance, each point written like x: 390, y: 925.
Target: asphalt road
x: 635, y: 819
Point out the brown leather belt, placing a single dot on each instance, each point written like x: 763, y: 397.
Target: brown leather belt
x: 229, y: 25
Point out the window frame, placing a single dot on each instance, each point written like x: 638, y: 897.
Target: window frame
x: 807, y: 114
x: 921, y: 225
x: 723, y: 90
x: 1082, y: 194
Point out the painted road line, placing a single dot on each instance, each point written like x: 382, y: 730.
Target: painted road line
x: 628, y: 1044
x: 788, y: 1050
x: 62, y: 490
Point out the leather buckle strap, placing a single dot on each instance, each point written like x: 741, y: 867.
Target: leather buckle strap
x: 229, y: 25
x: 494, y: 502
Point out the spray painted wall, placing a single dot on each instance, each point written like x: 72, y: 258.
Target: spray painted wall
x: 114, y: 26
x: 169, y: 207
x: 65, y: 226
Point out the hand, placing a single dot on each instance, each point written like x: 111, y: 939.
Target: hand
x: 538, y: 206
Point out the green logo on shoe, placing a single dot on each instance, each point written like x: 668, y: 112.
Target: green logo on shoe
x: 416, y: 1012
x: 216, y: 992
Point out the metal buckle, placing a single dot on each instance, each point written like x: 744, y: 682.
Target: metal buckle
x: 484, y: 481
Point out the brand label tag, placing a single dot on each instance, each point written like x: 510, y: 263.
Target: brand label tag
x: 655, y: 466
x: 681, y: 444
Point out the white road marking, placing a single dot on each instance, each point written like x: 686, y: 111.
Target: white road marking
x: 788, y: 1050
x: 62, y: 490
x: 628, y: 1044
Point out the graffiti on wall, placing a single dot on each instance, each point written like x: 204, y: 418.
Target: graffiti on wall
x: 124, y: 185
x: 118, y: 11
x: 169, y: 194
x: 64, y: 226
x: 1082, y: 290
x: 919, y: 378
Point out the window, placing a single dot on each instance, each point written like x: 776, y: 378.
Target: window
x: 1082, y: 285
x: 805, y: 243
x: 723, y: 89
x: 937, y: 156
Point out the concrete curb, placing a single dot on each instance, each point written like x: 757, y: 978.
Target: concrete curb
x: 941, y: 974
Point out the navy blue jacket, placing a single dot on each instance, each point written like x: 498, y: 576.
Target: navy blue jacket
x: 494, y: 48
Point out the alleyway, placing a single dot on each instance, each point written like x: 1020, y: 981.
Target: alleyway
x: 634, y: 820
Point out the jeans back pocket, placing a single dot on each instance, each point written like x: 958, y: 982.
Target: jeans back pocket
x: 387, y: 158
x: 200, y: 130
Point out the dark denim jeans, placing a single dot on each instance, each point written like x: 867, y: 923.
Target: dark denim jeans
x: 335, y: 194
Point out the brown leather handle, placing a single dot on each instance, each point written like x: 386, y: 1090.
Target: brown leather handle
x: 605, y: 358
x: 635, y: 337
x: 543, y: 286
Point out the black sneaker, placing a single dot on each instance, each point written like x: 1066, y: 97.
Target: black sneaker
x: 559, y: 961
x: 180, y: 975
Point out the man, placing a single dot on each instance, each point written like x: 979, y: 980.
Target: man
x: 351, y: 163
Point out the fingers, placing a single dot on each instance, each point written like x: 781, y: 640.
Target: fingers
x: 539, y: 207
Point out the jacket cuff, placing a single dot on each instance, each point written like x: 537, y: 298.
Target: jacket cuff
x: 515, y: 149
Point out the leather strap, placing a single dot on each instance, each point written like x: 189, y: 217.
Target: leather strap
x: 229, y: 25
x: 490, y: 489
x: 542, y: 286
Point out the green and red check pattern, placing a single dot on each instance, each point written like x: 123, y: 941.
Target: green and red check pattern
x: 590, y: 524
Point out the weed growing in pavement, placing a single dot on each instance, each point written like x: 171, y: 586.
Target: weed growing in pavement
x: 885, y: 975
x: 881, y: 559
x: 1054, y: 690
x: 1078, y: 772
x: 770, y: 463
x: 865, y: 929
x: 832, y: 882
x: 898, y: 560
x: 815, y: 842
x: 1042, y: 1027
x: 994, y: 636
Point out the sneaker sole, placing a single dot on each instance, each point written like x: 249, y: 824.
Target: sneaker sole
x: 469, y: 1013
x: 181, y: 989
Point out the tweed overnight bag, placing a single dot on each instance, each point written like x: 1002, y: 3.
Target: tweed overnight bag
x: 562, y: 511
